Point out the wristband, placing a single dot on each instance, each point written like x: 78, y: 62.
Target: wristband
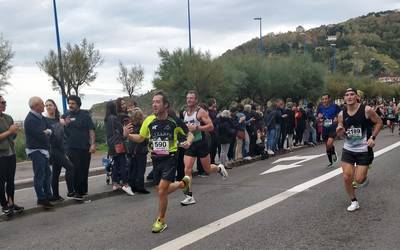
x: 373, y: 137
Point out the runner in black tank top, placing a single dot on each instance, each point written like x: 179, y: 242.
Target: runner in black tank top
x: 198, y: 121
x: 356, y: 122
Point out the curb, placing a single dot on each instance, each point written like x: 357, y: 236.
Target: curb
x: 106, y: 194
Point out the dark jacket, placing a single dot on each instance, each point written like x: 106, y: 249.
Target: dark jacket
x: 34, y: 132
x: 270, y: 118
x: 226, y: 130
x: 57, y: 135
x: 291, y: 122
x: 137, y: 148
x: 114, y: 132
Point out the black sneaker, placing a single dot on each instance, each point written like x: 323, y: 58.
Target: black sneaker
x: 7, y: 210
x: 45, y: 204
x: 56, y: 199
x: 142, y: 191
x: 78, y: 197
x: 70, y: 195
x: 17, y: 209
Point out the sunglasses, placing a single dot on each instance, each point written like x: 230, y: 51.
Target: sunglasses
x: 3, y: 102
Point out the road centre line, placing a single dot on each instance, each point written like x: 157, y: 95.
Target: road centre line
x: 220, y: 224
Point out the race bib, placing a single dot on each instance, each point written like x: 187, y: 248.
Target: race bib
x: 328, y: 122
x: 161, y: 147
x: 354, y: 133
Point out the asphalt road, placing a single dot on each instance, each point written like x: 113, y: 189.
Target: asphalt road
x: 247, y: 211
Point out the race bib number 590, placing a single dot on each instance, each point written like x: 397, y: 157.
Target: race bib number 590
x: 161, y: 147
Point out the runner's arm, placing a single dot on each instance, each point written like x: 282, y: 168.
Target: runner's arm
x: 340, y: 127
x: 208, y: 125
x: 373, y: 116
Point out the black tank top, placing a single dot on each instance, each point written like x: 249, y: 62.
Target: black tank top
x: 358, y: 129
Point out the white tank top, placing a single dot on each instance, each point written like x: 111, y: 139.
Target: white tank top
x: 191, y: 119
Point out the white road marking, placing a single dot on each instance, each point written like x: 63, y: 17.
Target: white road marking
x: 220, y: 224
x: 292, y: 165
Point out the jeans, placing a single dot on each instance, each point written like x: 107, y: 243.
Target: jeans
x: 80, y: 158
x: 224, y: 153
x: 137, y: 168
x: 7, y: 175
x: 271, y: 143
x: 119, y: 171
x: 41, y: 175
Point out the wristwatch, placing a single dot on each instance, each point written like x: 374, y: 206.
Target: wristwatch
x: 373, y: 137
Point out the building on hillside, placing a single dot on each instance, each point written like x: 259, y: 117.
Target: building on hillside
x: 390, y: 79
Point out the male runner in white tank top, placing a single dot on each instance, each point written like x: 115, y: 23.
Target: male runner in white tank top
x: 198, y: 122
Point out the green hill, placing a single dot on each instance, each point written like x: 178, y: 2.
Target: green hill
x: 366, y: 45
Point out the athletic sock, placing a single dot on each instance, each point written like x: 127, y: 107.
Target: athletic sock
x: 190, y: 194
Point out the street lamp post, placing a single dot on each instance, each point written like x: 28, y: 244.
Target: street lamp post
x: 261, y: 43
x: 334, y: 58
x: 60, y: 66
x: 190, y: 32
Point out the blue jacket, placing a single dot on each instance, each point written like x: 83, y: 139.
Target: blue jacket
x: 34, y: 132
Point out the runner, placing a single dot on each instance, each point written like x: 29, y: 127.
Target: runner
x: 162, y: 131
x: 390, y: 115
x: 198, y: 122
x: 357, y: 121
x: 327, y: 113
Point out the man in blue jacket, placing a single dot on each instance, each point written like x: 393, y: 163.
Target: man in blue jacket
x: 37, y: 136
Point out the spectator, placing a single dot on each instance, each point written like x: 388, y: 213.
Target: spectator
x: 300, y: 117
x: 58, y: 158
x: 251, y: 131
x: 241, y: 132
x: 226, y: 131
x: 137, y: 155
x: 116, y: 148
x: 290, y: 125
x: 122, y: 111
x: 37, y: 136
x: 81, y: 143
x: 270, y: 126
x: 310, y: 134
x: 8, y: 132
x: 214, y: 145
x: 281, y: 123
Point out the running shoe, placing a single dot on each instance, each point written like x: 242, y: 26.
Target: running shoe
x: 189, y: 200
x: 159, y: 226
x: 17, y: 209
x: 270, y: 152
x: 353, y: 206
x: 222, y: 171
x: 128, y: 190
x: 188, y: 183
x: 330, y: 164
x: 7, y: 210
x: 70, y: 195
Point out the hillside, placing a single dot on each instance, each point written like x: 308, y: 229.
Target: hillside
x: 366, y: 45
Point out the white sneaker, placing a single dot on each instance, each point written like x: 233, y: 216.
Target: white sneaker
x: 270, y: 152
x: 128, y: 190
x: 222, y: 171
x: 353, y: 206
x: 247, y: 158
x: 189, y: 200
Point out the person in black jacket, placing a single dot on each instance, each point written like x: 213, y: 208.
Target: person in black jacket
x: 58, y: 158
x: 137, y: 155
x: 116, y: 148
x: 37, y: 140
x: 227, y: 133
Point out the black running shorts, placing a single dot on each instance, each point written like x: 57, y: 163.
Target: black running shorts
x: 198, y: 149
x: 361, y: 159
x: 329, y: 132
x: 164, y: 168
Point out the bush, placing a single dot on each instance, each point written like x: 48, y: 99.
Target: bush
x: 20, y: 147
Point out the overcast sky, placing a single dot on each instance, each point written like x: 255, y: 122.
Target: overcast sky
x: 132, y: 31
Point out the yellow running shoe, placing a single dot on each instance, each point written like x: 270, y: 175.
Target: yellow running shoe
x: 159, y: 226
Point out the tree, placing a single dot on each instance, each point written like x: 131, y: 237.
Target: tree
x: 131, y: 79
x: 6, y: 54
x: 79, y: 62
